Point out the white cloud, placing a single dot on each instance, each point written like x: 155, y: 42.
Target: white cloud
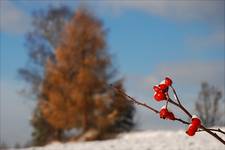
x: 210, y: 11
x: 13, y: 20
x: 211, y: 41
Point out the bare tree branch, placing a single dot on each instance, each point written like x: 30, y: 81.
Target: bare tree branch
x: 177, y: 104
x: 215, y: 130
x: 132, y: 100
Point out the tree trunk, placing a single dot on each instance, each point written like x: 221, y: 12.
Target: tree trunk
x: 85, y: 120
x: 58, y: 134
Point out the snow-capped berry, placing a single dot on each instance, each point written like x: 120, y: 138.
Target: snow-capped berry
x: 191, y: 130
x: 156, y: 88
x: 195, y: 121
x: 193, y: 127
x: 159, y: 96
x: 166, y: 114
x: 163, y: 87
x: 163, y: 113
x: 168, y: 81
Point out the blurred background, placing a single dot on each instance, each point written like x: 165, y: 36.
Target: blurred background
x: 145, y: 41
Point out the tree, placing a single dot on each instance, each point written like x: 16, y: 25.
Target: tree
x: 41, y: 42
x: 75, y: 88
x: 208, y: 105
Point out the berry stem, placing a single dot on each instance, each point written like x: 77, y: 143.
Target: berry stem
x: 175, y: 95
x: 182, y: 121
x: 181, y: 107
x: 167, y: 99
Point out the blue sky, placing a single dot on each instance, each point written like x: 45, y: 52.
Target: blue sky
x: 150, y: 39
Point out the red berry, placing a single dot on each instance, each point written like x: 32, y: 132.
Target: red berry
x: 168, y: 81
x: 191, y: 130
x: 163, y: 113
x: 195, y: 121
x: 156, y: 88
x: 171, y: 116
x: 159, y: 96
x: 166, y: 114
x: 163, y: 87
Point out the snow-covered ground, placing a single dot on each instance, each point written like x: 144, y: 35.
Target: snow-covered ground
x: 145, y: 140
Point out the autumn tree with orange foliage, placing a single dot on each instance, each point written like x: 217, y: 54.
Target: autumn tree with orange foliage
x: 74, y: 92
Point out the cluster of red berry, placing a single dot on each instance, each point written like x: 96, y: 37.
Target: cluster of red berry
x: 193, y: 127
x: 161, y: 93
x: 161, y: 90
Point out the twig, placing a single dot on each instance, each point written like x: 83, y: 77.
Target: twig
x: 190, y: 116
x: 131, y: 99
x: 213, y: 134
x: 215, y: 130
x: 175, y: 95
x: 179, y: 105
x: 167, y: 99
x: 182, y: 121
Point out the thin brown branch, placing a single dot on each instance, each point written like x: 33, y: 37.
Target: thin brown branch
x: 182, y: 121
x: 213, y: 134
x: 190, y: 116
x: 167, y: 99
x: 175, y: 95
x: 131, y: 99
x: 179, y: 105
x: 215, y: 130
